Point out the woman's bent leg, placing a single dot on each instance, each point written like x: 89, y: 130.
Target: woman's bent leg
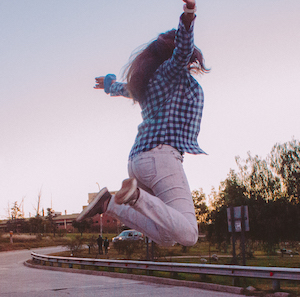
x: 164, y: 210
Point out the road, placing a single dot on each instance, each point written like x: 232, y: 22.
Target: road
x: 17, y: 280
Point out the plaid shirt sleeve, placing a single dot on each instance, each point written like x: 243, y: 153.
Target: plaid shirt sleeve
x: 119, y: 89
x: 173, y: 103
x: 184, y: 46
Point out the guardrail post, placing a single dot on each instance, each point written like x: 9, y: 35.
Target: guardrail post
x: 152, y: 250
x: 147, y: 249
x: 174, y: 274
x: 203, y: 277
x: 235, y: 281
x: 276, y: 284
x: 149, y: 273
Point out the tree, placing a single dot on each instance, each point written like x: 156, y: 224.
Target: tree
x: 232, y: 190
x: 285, y: 160
x: 201, y: 208
x: 16, y: 220
x: 231, y: 193
x: 16, y: 212
x: 82, y: 226
x: 258, y: 179
x: 36, y: 224
x: 270, y: 187
x: 50, y: 220
x: 37, y: 209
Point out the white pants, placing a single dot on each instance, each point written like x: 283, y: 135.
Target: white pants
x: 164, y: 211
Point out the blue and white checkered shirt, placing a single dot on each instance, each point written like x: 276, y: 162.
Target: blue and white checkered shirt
x: 173, y: 103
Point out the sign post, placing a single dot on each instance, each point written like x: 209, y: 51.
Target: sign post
x: 231, y: 226
x: 11, y: 237
x: 243, y: 234
x: 238, y: 221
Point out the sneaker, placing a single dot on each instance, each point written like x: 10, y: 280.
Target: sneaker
x: 98, y: 205
x: 129, y: 193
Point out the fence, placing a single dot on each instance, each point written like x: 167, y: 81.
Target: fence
x: 276, y: 274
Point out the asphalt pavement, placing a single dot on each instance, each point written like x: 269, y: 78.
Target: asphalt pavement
x: 17, y: 280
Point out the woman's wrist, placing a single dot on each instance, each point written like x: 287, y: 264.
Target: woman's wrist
x: 108, y: 81
x: 187, y: 9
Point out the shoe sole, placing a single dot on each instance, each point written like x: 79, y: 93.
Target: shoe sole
x: 123, y: 196
x: 95, y: 206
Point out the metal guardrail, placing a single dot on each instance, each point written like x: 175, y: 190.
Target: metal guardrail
x: 273, y: 273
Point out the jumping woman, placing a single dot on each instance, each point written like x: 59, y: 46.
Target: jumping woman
x: 156, y: 200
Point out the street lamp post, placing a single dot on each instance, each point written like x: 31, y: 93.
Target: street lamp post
x: 100, y: 216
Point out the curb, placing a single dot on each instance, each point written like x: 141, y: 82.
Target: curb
x: 145, y: 278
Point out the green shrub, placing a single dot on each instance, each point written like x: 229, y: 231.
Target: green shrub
x: 128, y: 247
x: 75, y: 244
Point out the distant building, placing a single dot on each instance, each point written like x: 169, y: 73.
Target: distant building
x: 104, y: 222
x: 3, y: 225
x: 64, y: 222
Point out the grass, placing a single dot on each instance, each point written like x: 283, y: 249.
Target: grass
x: 29, y: 241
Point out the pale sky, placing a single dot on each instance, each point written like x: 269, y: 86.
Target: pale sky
x: 63, y: 138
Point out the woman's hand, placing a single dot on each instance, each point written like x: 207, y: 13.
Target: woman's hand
x: 190, y: 4
x: 99, y: 82
x: 189, y: 13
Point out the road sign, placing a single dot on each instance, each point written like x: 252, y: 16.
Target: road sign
x: 237, y: 217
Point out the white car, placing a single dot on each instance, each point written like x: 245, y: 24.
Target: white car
x: 128, y: 235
